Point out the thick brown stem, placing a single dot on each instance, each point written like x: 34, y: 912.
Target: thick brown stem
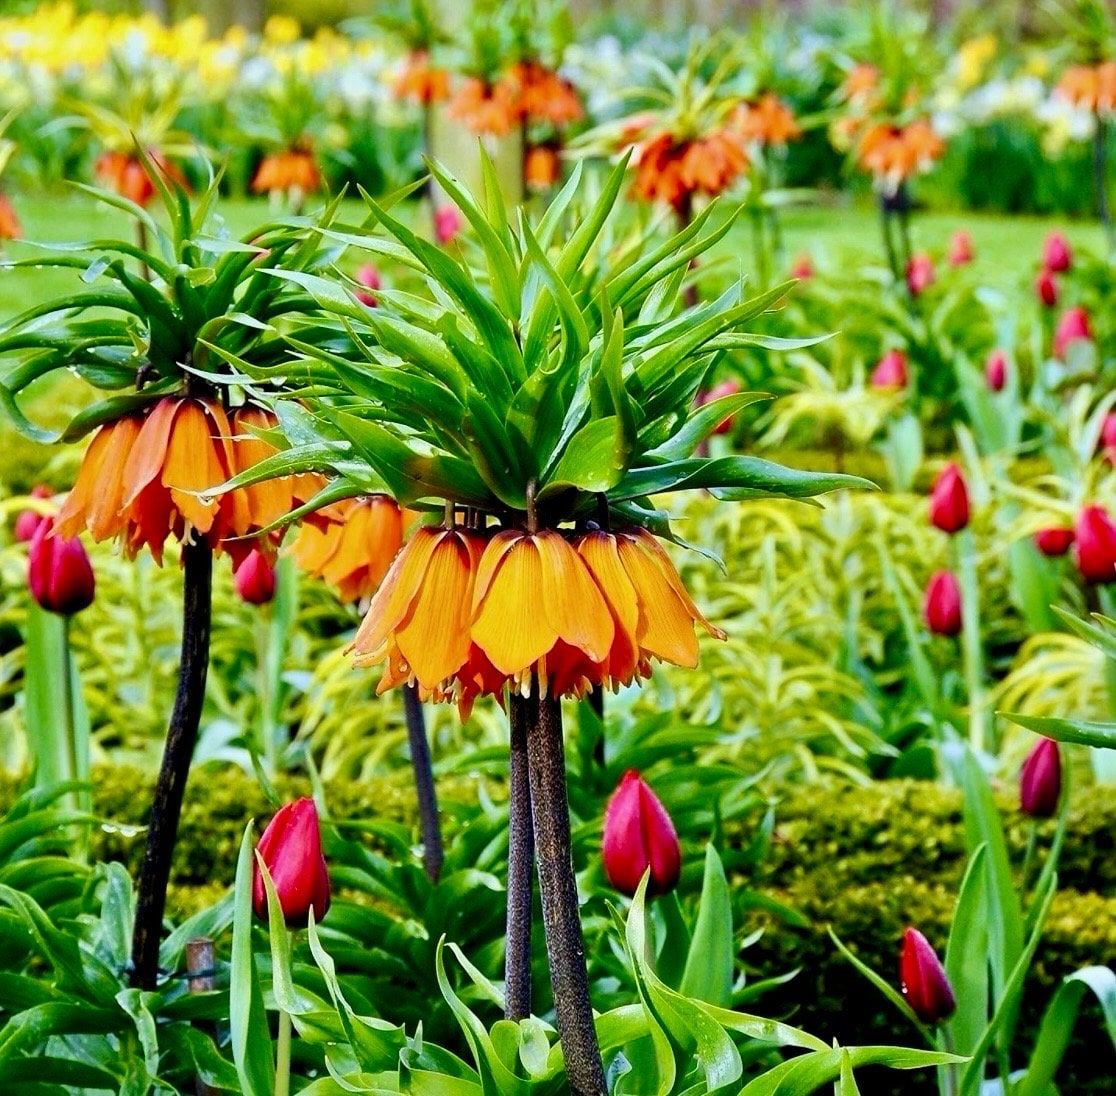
x: 521, y: 865
x: 433, y: 853
x: 182, y: 736
x: 565, y: 945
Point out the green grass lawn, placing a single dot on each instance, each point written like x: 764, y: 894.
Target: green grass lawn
x: 837, y: 236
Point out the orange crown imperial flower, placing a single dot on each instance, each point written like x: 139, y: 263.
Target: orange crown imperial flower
x: 352, y: 545
x: 129, y: 177
x: 894, y: 153
x: 420, y: 80
x: 674, y: 171
x: 1090, y: 87
x: 485, y: 107
x: 144, y: 476
x: 293, y: 169
x: 766, y: 121
x: 544, y: 96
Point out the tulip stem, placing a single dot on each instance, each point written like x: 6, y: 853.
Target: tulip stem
x: 433, y: 852
x: 1028, y: 858
x: 182, y: 736
x: 565, y: 944
x: 521, y: 865
x: 888, y: 239
x: 1100, y: 176
x: 971, y: 639
x: 283, y: 1055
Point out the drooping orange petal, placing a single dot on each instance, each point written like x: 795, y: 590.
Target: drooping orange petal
x: 192, y: 466
x: 571, y: 600
x: 670, y: 573
x: 666, y: 628
x: 149, y: 451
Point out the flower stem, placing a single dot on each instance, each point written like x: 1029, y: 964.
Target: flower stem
x: 283, y: 1055
x: 561, y: 916
x: 971, y: 639
x: 521, y: 865
x: 182, y: 736
x: 1100, y: 173
x: 889, y: 243
x: 433, y: 852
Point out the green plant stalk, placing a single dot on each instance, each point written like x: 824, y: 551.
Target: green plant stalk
x: 1107, y: 597
x: 565, y: 944
x: 888, y: 240
x: 283, y: 1055
x: 1028, y: 857
x: 949, y: 1074
x: 182, y: 736
x: 973, y: 649
x: 264, y: 698
x: 433, y: 850
x: 521, y: 865
x: 1100, y: 180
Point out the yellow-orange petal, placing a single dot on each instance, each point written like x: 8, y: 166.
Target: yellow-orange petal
x: 670, y: 573
x: 666, y: 628
x: 148, y: 454
x: 571, y: 599
x: 193, y: 466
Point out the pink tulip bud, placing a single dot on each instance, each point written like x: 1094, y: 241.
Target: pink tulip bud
x: 949, y: 500
x: 59, y: 573
x: 1040, y: 780
x: 1056, y: 253
x: 1046, y: 288
x: 941, y: 607
x: 291, y: 848
x: 254, y: 578
x: 1054, y: 541
x: 447, y: 223
x: 920, y: 274
x: 960, y: 249
x: 995, y: 371
x: 30, y: 520
x: 639, y: 835
x: 803, y: 268
x: 369, y: 277
x: 924, y: 980
x: 890, y: 371
x: 1095, y: 545
x: 1073, y: 325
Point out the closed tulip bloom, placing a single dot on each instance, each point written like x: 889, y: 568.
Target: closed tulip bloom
x: 291, y: 848
x: 1072, y: 327
x: 1046, y: 288
x: 1056, y: 253
x: 960, y: 249
x: 803, y: 268
x: 447, y: 223
x: 920, y: 274
x: 949, y: 500
x: 923, y: 979
x: 59, y: 573
x: 1054, y: 541
x: 369, y: 277
x: 1040, y: 779
x: 890, y: 371
x: 29, y: 521
x: 639, y: 835
x: 1108, y: 433
x: 942, y: 605
x: 1095, y: 545
x: 254, y: 578
x: 995, y: 371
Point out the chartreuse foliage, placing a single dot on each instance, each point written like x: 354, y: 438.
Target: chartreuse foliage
x: 558, y: 373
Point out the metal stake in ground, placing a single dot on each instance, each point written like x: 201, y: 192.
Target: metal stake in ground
x: 521, y: 864
x: 565, y: 945
x: 182, y: 736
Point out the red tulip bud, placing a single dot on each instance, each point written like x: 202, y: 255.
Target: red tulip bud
x: 1040, y: 779
x: 960, y: 249
x: 1054, y: 541
x: 995, y: 371
x: 291, y: 847
x: 30, y: 520
x: 1073, y: 325
x: 1056, y: 253
x: 638, y: 834
x: 447, y: 223
x: 59, y: 573
x: 891, y: 371
x: 924, y: 980
x: 1108, y: 431
x: 1095, y: 544
x: 949, y: 500
x: 803, y: 268
x: 920, y: 274
x: 1046, y: 288
x: 942, y: 604
x: 369, y: 277
x: 255, y: 578
x: 717, y: 392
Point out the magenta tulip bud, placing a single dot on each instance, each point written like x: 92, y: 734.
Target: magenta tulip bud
x: 949, y: 500
x: 291, y: 848
x: 1108, y: 431
x: 890, y: 371
x: 995, y: 371
x: 960, y: 249
x: 803, y: 268
x: 1073, y: 326
x: 1095, y: 545
x: 254, y: 578
x: 369, y: 277
x: 1046, y: 288
x: 30, y: 520
x: 1054, y: 541
x: 1040, y: 779
x: 717, y: 392
x: 447, y: 223
x: 924, y: 980
x: 1056, y: 253
x: 59, y: 573
x: 638, y: 835
x: 941, y: 607
x: 920, y: 274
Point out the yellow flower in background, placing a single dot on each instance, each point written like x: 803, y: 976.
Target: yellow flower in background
x: 1037, y: 64
x: 282, y: 30
x: 973, y: 58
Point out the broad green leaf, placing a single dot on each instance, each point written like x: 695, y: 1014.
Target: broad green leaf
x: 709, y: 966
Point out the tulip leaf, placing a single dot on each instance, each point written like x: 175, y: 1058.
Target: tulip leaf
x: 966, y: 957
x: 805, y: 1074
x: 709, y: 966
x: 1082, y: 732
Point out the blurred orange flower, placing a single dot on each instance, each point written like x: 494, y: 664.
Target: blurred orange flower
x: 674, y: 171
x: 766, y: 121
x: 126, y: 175
x: 486, y: 108
x: 544, y: 96
x: 1090, y: 87
x: 421, y: 81
x: 285, y: 172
